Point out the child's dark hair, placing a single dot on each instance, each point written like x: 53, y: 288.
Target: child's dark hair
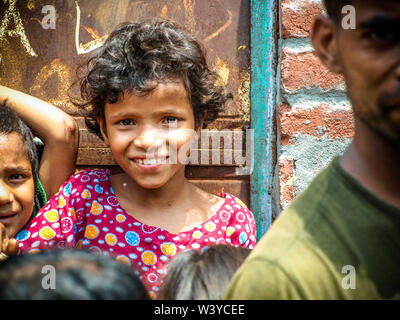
x: 202, y: 275
x: 135, y: 58
x: 10, y: 122
x: 79, y: 275
x: 334, y: 8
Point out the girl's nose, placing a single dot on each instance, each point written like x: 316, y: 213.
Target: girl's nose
x: 148, y: 139
x: 5, y: 194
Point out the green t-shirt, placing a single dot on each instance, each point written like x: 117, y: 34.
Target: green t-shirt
x: 336, y: 241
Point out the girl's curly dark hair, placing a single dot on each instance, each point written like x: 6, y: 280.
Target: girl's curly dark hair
x: 136, y: 57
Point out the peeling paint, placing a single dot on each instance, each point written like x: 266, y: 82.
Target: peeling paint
x: 164, y: 12
x: 59, y: 70
x: 12, y: 14
x: 31, y: 4
x: 223, y: 72
x: 244, y: 95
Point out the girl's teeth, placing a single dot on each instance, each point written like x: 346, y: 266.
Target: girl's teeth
x: 150, y: 161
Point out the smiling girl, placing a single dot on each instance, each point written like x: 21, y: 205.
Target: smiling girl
x: 145, y: 92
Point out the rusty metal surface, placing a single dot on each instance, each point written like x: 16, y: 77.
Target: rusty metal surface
x: 42, y: 62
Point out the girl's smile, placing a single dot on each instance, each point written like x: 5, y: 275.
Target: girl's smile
x: 149, y: 164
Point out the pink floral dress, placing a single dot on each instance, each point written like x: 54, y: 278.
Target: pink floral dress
x: 86, y: 214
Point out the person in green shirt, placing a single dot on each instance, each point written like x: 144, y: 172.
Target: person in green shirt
x: 340, y: 239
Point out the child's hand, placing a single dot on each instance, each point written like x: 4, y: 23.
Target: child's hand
x: 8, y: 247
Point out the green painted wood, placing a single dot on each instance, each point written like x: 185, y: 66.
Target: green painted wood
x: 263, y: 101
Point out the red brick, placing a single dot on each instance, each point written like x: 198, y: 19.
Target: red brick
x: 336, y: 124
x: 305, y: 70
x: 298, y: 23
x: 286, y: 180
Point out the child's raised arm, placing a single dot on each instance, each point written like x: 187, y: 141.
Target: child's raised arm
x: 58, y: 131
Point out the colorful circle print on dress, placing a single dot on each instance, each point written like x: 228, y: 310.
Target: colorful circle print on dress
x: 152, y: 277
x: 22, y: 235
x: 240, y: 217
x: 98, y: 188
x: 86, y: 194
x: 120, y: 217
x: 66, y: 224
x: 112, y: 200
x: 224, y: 215
x: 168, y: 248
x: 210, y: 226
x: 72, y: 213
x: 47, y: 233
x: 197, y: 234
x: 67, y: 189
x: 230, y: 231
x: 132, y: 238
x: 149, y: 258
x: 61, y: 201
x: 51, y: 215
x: 242, y: 237
x: 111, y: 239
x: 148, y: 229
x: 91, y: 232
x: 96, y: 208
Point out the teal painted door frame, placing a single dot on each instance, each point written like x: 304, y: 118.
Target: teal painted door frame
x: 263, y: 93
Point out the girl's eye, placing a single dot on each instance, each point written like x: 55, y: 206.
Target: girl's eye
x: 126, y: 122
x: 171, y: 121
x: 17, y: 177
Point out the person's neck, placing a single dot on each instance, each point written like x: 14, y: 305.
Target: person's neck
x: 372, y: 159
x: 174, y: 191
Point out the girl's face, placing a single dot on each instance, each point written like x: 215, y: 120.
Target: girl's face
x: 16, y: 184
x: 145, y: 133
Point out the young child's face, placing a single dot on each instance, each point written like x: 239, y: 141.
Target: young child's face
x: 16, y: 184
x: 157, y: 123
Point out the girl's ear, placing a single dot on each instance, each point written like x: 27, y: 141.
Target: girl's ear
x: 324, y: 37
x: 103, y: 130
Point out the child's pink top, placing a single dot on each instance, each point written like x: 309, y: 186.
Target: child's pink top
x: 85, y: 213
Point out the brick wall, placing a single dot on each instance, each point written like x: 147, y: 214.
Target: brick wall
x: 314, y: 117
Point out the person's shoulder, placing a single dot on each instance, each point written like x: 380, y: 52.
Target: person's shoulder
x: 238, y: 209
x: 234, y: 204
x: 259, y: 278
x: 239, y: 220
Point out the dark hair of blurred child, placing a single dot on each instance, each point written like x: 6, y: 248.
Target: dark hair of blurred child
x: 202, y: 274
x: 78, y: 275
